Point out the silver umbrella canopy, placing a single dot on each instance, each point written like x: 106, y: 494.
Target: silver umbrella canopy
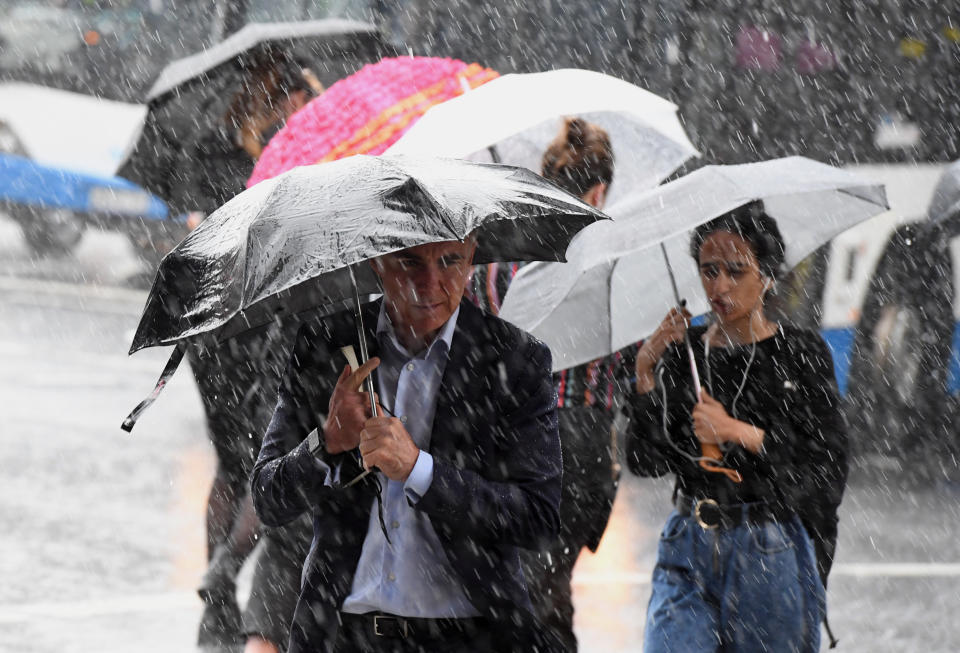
x: 300, y: 241
x: 286, y: 244
x: 616, y: 286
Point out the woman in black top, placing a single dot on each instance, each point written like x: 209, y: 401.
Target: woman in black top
x: 760, y: 461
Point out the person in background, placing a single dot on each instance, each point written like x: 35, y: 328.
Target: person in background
x: 580, y: 161
x: 238, y: 383
x: 273, y: 91
x: 743, y: 560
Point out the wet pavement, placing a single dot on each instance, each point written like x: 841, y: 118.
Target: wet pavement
x: 102, y: 531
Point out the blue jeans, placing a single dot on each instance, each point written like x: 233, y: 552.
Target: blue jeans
x: 751, y: 588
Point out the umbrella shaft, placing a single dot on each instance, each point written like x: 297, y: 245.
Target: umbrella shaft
x: 686, y: 336
x: 693, y: 367
x: 364, y: 356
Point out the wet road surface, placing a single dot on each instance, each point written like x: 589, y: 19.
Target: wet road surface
x: 102, y: 532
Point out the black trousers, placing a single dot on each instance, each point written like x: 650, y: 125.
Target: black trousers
x: 548, y: 575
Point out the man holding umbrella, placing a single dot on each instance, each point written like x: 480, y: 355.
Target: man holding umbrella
x: 468, y: 455
x: 467, y: 460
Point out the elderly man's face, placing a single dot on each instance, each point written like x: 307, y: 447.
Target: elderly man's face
x: 423, y: 285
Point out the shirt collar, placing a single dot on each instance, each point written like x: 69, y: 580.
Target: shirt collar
x: 385, y: 329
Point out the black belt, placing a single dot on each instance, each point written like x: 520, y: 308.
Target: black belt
x: 711, y: 514
x: 394, y: 627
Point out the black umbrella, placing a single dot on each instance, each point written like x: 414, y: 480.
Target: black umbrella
x: 296, y: 242
x: 192, y: 96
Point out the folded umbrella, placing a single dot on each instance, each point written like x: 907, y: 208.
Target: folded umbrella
x: 299, y: 241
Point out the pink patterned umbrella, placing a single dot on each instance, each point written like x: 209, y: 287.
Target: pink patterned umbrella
x: 366, y: 112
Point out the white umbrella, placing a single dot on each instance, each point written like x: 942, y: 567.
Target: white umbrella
x: 615, y: 288
x: 519, y: 115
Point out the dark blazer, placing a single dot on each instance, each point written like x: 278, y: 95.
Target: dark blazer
x: 496, y: 477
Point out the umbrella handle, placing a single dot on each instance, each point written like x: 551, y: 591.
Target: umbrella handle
x: 693, y: 369
x: 364, y: 357
x: 712, y: 452
x: 359, y: 477
x: 362, y: 335
x: 676, y: 295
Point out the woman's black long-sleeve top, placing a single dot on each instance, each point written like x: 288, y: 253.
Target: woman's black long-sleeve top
x: 788, y: 390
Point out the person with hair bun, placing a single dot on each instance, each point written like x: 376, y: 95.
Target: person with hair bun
x: 580, y: 161
x: 743, y: 559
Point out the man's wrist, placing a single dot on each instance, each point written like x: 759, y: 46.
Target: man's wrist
x: 316, y: 443
x: 331, y: 446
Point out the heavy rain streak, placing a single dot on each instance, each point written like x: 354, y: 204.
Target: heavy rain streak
x: 487, y: 325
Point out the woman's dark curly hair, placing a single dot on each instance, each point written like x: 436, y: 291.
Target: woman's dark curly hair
x: 751, y: 223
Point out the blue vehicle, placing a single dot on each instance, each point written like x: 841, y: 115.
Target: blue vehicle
x: 886, y: 297
x: 58, y: 154
x: 54, y: 205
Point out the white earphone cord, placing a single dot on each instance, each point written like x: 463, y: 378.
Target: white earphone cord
x: 709, y: 379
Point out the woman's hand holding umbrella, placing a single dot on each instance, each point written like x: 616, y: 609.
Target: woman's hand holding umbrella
x: 672, y: 329
x: 709, y: 416
x: 714, y: 426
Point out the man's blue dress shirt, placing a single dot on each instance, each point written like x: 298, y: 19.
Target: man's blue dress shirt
x: 411, y: 577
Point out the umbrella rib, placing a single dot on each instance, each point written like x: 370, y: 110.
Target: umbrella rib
x: 886, y: 202
x: 280, y: 183
x: 353, y: 239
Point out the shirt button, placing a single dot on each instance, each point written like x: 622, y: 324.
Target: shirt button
x: 403, y: 419
x: 410, y: 367
x: 391, y: 577
x: 395, y: 524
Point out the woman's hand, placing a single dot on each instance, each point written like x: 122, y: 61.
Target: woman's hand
x: 671, y: 330
x: 712, y: 425
x: 710, y: 420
